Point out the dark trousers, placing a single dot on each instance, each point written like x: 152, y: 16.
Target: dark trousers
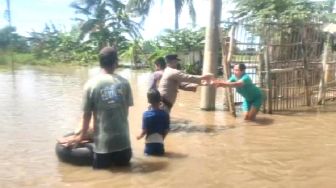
x: 118, y: 158
x: 154, y: 149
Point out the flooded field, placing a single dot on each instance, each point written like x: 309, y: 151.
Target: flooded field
x: 204, y: 148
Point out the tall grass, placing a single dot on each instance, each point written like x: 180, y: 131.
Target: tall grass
x: 7, y: 58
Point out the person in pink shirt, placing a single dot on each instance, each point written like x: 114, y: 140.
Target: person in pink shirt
x: 160, y: 65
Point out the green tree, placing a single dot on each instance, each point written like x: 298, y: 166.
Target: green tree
x: 61, y: 47
x: 183, y: 40
x: 188, y: 42
x: 106, y: 22
x: 289, y: 11
x: 45, y: 42
x: 9, y: 39
x: 152, y: 50
x: 134, y: 49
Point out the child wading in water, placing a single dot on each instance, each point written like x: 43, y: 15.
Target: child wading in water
x: 155, y: 125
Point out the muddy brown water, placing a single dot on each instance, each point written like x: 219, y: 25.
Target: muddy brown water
x: 204, y: 149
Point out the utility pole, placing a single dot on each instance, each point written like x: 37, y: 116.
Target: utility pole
x: 9, y: 19
x: 8, y: 13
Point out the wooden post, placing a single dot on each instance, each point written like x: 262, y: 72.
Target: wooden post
x: 262, y: 77
x: 267, y: 60
x: 227, y: 71
x: 305, y: 67
x: 225, y: 51
x: 324, y: 72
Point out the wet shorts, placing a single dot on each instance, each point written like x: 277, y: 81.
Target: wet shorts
x: 257, y: 102
x: 105, y: 160
x: 154, y: 149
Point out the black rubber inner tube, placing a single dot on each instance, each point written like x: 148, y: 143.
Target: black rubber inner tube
x: 81, y: 155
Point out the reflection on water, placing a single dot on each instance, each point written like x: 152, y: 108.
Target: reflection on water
x: 204, y: 149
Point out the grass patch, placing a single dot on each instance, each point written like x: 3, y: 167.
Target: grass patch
x: 6, y: 58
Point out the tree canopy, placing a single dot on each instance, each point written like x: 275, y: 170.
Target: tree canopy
x: 285, y: 10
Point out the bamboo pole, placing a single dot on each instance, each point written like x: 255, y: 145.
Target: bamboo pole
x: 225, y: 49
x: 227, y: 70
x: 324, y: 72
x: 305, y: 67
x: 262, y: 77
x: 268, y: 78
x: 287, y: 90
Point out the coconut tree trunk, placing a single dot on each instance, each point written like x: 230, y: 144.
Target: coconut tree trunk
x: 208, y: 93
x: 176, y: 21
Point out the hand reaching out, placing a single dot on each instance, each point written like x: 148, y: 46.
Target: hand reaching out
x: 213, y: 82
x: 206, y: 82
x: 217, y: 83
x: 207, y: 79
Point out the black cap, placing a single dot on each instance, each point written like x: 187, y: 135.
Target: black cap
x: 172, y: 57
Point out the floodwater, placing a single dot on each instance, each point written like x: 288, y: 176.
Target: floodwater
x: 204, y: 149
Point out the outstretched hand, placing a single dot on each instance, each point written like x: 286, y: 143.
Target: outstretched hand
x: 217, y: 83
x: 213, y: 82
x: 207, y: 79
x: 206, y: 82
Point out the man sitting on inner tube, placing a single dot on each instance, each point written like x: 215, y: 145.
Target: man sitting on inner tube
x: 107, y: 98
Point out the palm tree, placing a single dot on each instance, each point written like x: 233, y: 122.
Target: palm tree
x: 142, y: 8
x: 106, y: 21
x: 331, y: 6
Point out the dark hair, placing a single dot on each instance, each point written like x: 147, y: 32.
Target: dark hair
x: 242, y: 66
x: 153, y: 96
x: 160, y: 62
x: 108, y: 57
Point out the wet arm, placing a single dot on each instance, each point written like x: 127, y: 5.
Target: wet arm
x: 144, y: 127
x: 76, y: 139
x: 188, y: 86
x: 143, y: 133
x: 222, y: 83
x: 85, y: 126
x: 188, y: 78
